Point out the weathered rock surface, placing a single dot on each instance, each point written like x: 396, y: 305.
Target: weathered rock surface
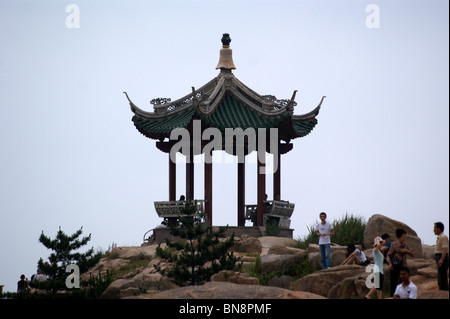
x: 283, y: 250
x: 433, y: 294
x: 428, y: 251
x: 234, y: 277
x: 281, y: 282
x: 247, y: 244
x: 225, y: 290
x: 321, y: 282
x: 105, y: 264
x: 144, y: 282
x: 271, y: 263
x: 268, y: 241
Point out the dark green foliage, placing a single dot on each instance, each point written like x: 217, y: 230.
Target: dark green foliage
x: 349, y: 230
x: 310, y: 238
x: 295, y: 271
x: 64, y: 253
x: 200, y: 254
x: 272, y: 228
x: 97, y: 285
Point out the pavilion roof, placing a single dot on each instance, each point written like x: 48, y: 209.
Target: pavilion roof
x: 224, y: 102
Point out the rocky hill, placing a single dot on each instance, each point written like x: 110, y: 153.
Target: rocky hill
x: 136, y: 277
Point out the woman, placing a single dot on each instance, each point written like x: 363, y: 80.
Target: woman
x: 378, y: 258
x: 355, y: 255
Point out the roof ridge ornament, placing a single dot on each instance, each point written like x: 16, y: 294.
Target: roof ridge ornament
x: 292, y: 102
x: 226, y: 58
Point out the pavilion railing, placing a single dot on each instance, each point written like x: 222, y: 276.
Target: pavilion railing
x: 171, y: 209
x: 278, y: 210
x: 281, y: 208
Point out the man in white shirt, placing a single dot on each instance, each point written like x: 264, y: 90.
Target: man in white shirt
x: 324, y: 231
x: 406, y: 289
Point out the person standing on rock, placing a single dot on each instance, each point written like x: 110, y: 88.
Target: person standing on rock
x: 397, y: 257
x: 22, y: 284
x: 378, y: 259
x: 324, y: 231
x: 441, y: 255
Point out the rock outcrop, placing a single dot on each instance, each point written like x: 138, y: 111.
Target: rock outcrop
x: 378, y: 225
x: 226, y: 290
x: 139, y: 279
x: 323, y: 281
x: 247, y: 244
x: 271, y: 262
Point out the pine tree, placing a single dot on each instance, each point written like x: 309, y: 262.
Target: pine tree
x: 64, y: 253
x: 201, y: 254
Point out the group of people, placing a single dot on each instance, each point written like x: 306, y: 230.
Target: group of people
x: 22, y: 284
x: 392, y: 253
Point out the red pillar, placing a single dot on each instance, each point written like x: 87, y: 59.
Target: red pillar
x: 241, y: 194
x: 261, y: 207
x: 208, y: 187
x: 190, y: 175
x: 172, y: 180
x: 277, y: 175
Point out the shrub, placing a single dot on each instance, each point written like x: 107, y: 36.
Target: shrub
x: 200, y: 255
x: 349, y: 230
x: 64, y: 253
x: 272, y: 228
x: 295, y: 271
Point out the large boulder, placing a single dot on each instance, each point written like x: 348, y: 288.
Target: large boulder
x: 353, y: 287
x: 226, y: 290
x: 145, y: 281
x: 377, y: 225
x: 268, y: 242
x: 272, y: 262
x: 321, y: 282
x: 247, y: 244
x: 314, y: 260
x: 428, y: 251
x: 415, y: 264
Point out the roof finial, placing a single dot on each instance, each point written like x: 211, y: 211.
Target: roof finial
x: 226, y: 39
x: 226, y: 59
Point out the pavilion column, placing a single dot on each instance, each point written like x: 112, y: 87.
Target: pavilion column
x: 208, y: 187
x: 172, y: 180
x: 261, y: 176
x: 277, y: 175
x: 241, y: 193
x: 190, y: 175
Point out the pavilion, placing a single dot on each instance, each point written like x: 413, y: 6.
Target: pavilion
x: 223, y: 105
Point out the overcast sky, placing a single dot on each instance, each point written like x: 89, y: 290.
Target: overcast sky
x: 70, y: 155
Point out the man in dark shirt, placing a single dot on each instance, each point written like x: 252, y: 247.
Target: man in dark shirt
x: 22, y: 284
x: 396, y: 257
